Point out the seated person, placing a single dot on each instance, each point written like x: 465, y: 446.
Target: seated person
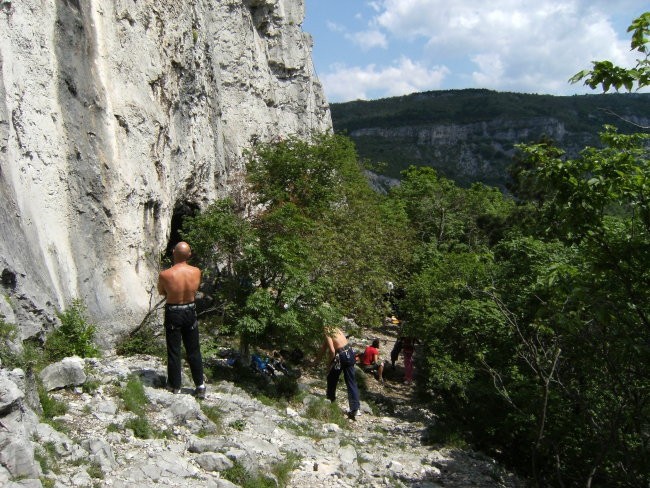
x: 370, y: 362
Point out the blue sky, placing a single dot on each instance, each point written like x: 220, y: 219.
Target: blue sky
x: 367, y: 49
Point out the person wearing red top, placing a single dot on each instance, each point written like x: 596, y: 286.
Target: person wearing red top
x: 370, y: 362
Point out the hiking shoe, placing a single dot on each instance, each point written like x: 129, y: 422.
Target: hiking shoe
x: 175, y: 391
x: 199, y: 392
x: 354, y: 414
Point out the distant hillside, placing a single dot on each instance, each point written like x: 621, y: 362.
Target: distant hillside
x: 469, y: 135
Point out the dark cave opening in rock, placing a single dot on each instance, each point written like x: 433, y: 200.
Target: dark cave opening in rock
x: 8, y: 279
x: 182, y: 210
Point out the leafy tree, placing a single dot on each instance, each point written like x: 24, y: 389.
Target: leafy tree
x: 444, y: 214
x: 597, y: 207
x: 535, y: 340
x: 320, y: 244
x: 581, y: 317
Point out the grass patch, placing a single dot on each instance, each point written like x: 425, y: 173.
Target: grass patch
x: 164, y: 434
x: 90, y: 386
x: 327, y: 412
x: 269, y: 391
x: 304, y: 430
x: 47, y: 482
x: 140, y: 426
x: 446, y: 435
x: 239, y: 475
x: 215, y: 415
x: 51, y: 406
x: 95, y: 472
x: 282, y: 470
x: 362, y: 379
x: 8, y: 334
x: 237, y: 425
x: 135, y: 400
x: 29, y: 359
x: 133, y: 396
x: 47, y: 457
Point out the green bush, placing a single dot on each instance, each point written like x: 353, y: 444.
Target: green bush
x: 8, y: 333
x: 142, y: 341
x: 140, y: 427
x: 51, y: 406
x: 239, y: 475
x: 75, y: 336
x: 133, y: 396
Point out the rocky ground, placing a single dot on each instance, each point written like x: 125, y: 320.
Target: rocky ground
x: 228, y: 435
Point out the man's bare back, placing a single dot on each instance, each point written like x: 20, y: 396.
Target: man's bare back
x: 180, y: 283
x: 334, y: 339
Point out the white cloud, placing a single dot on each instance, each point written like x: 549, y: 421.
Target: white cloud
x: 513, y: 44
x: 490, y: 69
x: 403, y: 77
x: 368, y: 39
x: 507, y: 45
x: 334, y: 27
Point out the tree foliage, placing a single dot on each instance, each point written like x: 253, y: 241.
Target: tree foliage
x: 535, y: 341
x: 608, y: 75
x: 319, y: 246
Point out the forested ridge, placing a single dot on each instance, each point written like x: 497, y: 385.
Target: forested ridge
x: 578, y: 112
x: 470, y: 135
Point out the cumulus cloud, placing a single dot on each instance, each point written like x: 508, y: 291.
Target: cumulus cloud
x: 403, y: 77
x: 513, y: 45
x: 369, y: 39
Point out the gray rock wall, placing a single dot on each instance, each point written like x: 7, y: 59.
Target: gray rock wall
x: 114, y: 113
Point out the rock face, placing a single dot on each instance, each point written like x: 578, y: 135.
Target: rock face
x: 470, y: 152
x: 115, y: 118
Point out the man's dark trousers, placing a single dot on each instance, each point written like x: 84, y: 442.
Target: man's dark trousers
x: 181, y: 325
x: 344, y: 362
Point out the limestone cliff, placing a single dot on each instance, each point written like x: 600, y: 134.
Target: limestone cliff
x: 113, y: 115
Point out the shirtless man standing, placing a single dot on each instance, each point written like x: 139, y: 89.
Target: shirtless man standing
x: 179, y: 285
x: 342, y: 359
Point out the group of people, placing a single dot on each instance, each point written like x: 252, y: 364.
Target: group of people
x: 343, y: 360
x: 179, y: 285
